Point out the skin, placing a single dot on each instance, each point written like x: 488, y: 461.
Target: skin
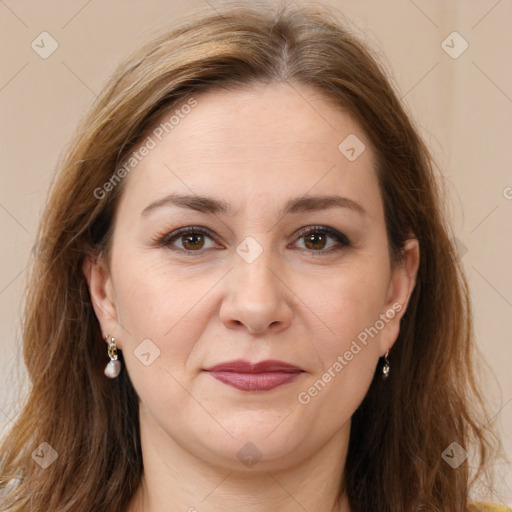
x: 296, y: 302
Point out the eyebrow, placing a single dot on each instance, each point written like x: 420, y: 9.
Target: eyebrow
x: 217, y: 206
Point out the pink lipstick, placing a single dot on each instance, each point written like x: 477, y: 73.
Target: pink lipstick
x: 247, y: 376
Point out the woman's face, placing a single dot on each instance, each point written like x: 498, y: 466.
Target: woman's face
x: 283, y: 259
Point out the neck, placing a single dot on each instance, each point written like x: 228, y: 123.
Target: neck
x: 175, y: 479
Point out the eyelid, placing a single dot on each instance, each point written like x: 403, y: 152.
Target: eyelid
x: 166, y: 240
x: 342, y: 239
x: 334, y: 233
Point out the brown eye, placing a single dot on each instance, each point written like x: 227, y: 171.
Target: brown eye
x: 189, y: 240
x: 193, y: 241
x: 315, y: 241
x: 322, y: 239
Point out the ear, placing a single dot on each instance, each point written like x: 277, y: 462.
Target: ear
x: 102, y: 295
x: 401, y: 286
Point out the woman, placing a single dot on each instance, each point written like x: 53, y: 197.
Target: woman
x: 246, y: 295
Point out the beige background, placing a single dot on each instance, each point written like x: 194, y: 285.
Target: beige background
x: 462, y: 105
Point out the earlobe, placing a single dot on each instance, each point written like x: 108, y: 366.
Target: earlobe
x: 102, y: 294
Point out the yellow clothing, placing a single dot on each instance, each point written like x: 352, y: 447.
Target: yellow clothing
x: 490, y: 507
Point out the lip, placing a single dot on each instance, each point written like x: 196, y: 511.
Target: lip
x: 261, y: 376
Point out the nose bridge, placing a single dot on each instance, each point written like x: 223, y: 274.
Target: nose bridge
x: 254, y: 269
x: 256, y: 298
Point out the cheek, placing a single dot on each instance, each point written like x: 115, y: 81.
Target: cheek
x: 153, y: 295
x: 162, y: 307
x: 347, y: 352
x: 351, y: 301
x: 351, y: 308
x: 164, y: 304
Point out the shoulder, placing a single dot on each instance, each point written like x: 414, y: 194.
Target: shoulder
x: 488, y: 507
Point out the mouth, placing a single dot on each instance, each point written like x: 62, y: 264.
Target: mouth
x: 262, y: 376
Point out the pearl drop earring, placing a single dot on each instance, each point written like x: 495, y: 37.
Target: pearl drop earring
x: 113, y: 367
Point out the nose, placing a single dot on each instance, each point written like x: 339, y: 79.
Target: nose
x: 256, y: 300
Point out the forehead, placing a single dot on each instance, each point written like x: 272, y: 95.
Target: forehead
x: 277, y: 140
x: 288, y: 122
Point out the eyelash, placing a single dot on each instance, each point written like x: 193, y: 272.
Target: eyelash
x: 166, y: 241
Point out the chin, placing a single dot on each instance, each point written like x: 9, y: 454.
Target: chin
x: 257, y: 445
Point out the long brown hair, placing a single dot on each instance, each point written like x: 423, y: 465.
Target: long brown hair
x: 404, y: 424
